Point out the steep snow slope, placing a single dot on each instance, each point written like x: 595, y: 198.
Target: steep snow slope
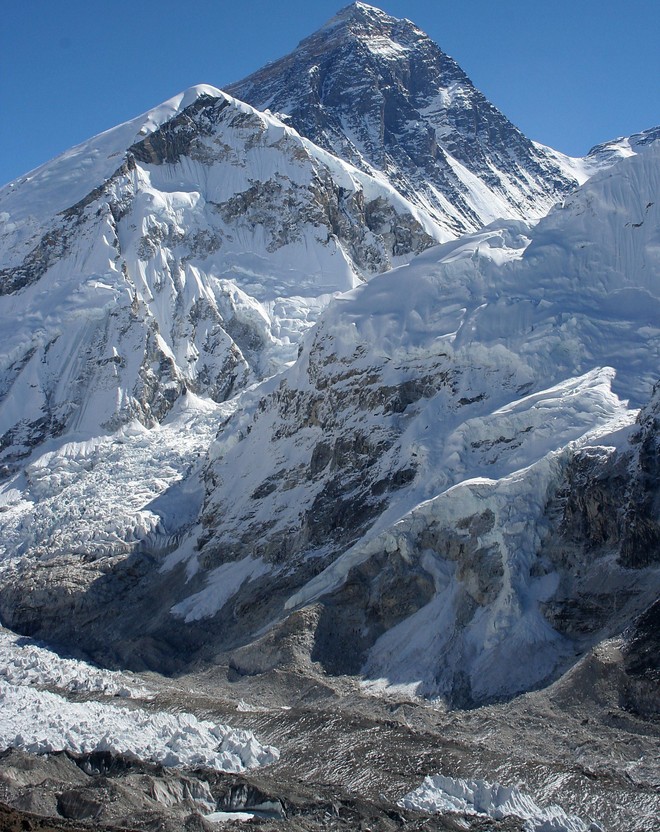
x: 187, y: 249
x: 414, y: 498
x: 377, y: 91
x: 421, y: 437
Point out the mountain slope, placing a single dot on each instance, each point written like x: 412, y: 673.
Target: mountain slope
x: 377, y: 91
x: 401, y: 500
x: 186, y: 250
x: 425, y: 434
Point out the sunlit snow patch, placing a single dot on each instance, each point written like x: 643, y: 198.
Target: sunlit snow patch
x: 439, y: 794
x: 41, y: 722
x: 222, y: 584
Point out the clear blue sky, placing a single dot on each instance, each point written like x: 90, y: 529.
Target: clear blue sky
x: 569, y: 73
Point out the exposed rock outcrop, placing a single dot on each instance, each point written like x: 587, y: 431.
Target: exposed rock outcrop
x: 377, y: 91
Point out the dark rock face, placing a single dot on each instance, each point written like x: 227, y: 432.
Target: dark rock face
x: 377, y: 91
x: 179, y: 136
x: 376, y: 596
x: 642, y: 650
x: 640, y: 544
x: 606, y: 534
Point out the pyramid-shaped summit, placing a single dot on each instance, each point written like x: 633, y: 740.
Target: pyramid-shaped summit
x: 377, y: 91
x: 365, y: 19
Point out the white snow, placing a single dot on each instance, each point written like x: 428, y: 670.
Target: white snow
x: 439, y: 794
x: 222, y: 584
x: 549, y: 346
x: 198, y: 282
x: 108, y: 494
x: 41, y: 722
x: 26, y: 662
x: 63, y: 181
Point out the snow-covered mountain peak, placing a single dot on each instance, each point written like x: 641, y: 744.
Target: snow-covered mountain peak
x: 63, y: 181
x: 377, y: 91
x: 256, y: 425
x: 608, y: 153
x: 363, y: 21
x: 187, y: 249
x: 158, y: 115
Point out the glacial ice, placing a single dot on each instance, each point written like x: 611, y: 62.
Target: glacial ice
x: 26, y: 662
x: 439, y: 794
x: 42, y: 722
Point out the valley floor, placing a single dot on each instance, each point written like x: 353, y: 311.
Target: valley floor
x: 347, y: 757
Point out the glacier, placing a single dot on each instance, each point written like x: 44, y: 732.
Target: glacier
x: 341, y: 400
x: 446, y: 794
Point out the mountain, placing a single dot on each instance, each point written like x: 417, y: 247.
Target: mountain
x: 186, y: 250
x: 189, y: 249
x: 446, y: 431
x: 320, y: 415
x: 440, y: 492
x: 183, y: 425
x: 378, y: 92
x: 606, y: 154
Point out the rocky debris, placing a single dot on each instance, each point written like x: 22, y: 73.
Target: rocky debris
x: 348, y: 758
x: 16, y: 820
x: 116, y: 793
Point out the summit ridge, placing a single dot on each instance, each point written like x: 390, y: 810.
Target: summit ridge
x: 378, y: 91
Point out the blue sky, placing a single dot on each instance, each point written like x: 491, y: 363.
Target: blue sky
x: 569, y: 73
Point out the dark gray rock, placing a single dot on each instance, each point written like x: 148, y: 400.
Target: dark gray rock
x: 378, y: 92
